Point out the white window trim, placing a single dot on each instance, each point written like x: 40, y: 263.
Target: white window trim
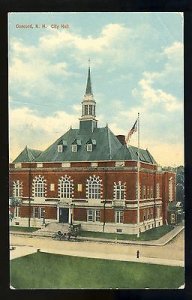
x: 89, y: 147
x: 60, y: 148
x: 93, y: 187
x: 94, y: 214
x: 74, y: 148
x: 65, y: 187
x: 119, y: 190
x: 119, y: 216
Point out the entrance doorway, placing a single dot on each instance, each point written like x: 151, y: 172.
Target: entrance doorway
x: 63, y: 215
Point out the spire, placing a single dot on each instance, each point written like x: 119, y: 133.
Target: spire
x: 88, y: 87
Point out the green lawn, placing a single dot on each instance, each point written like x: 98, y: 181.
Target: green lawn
x: 43, y: 270
x: 24, y: 229
x: 152, y: 234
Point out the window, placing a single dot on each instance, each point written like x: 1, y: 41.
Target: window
x: 158, y: 190
x: 170, y: 189
x: 119, y: 190
x: 52, y: 187
x: 93, y: 187
x: 86, y: 109
x: 74, y: 148
x: 93, y: 215
x: 79, y: 187
x: 39, y: 185
x: 151, y: 192
x: 35, y: 212
x: 89, y: 147
x: 42, y: 212
x: 17, y: 189
x: 16, y: 212
x: 144, y: 192
x: 119, y: 214
x: 38, y: 212
x: 148, y: 194
x: 144, y: 218
x: 90, y: 110
x: 65, y: 187
x: 60, y: 148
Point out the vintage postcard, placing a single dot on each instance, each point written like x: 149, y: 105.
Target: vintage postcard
x: 96, y: 170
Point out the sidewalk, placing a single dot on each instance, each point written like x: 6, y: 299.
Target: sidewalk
x: 20, y: 251
x: 160, y: 242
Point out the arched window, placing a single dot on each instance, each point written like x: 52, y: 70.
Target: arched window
x: 39, y: 186
x: 17, y: 188
x: 65, y: 187
x: 93, y: 187
x: 119, y: 190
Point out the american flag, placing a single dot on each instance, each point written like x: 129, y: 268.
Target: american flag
x: 133, y: 129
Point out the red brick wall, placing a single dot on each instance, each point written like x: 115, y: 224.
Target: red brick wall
x: 130, y: 216
x: 50, y: 211
x: 80, y: 214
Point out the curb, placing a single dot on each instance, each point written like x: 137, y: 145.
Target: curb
x: 126, y: 242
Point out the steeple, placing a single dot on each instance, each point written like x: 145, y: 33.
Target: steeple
x: 89, y: 88
x: 88, y: 105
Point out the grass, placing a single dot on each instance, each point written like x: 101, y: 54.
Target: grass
x: 43, y: 270
x: 152, y: 234
x: 23, y: 229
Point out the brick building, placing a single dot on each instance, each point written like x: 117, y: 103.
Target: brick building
x: 89, y: 176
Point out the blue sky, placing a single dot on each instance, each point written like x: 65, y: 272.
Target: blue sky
x: 136, y: 66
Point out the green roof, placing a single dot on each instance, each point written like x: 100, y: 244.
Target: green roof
x: 27, y: 155
x: 106, y: 146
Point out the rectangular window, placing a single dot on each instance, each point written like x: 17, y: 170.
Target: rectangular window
x: 17, y: 211
x: 41, y: 212
x: 144, y: 192
x: 90, y: 109
x: 60, y: 148
x: 89, y: 147
x: 52, y: 187
x: 158, y: 190
x: 97, y: 215
x: 86, y: 109
x: 93, y: 215
x: 119, y: 214
x: 151, y: 192
x: 74, y: 148
x: 36, y: 212
x: 79, y: 187
x: 90, y: 215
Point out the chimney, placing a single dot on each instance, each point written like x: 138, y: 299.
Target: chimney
x: 121, y: 138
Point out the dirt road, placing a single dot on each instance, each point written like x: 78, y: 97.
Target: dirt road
x: 173, y: 250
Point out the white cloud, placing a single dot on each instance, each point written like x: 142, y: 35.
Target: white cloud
x: 109, y: 35
x: 27, y: 128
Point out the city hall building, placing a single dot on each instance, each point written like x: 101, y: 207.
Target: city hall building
x: 89, y: 176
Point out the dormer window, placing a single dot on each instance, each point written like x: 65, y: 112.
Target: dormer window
x: 60, y: 148
x: 74, y: 148
x: 89, y: 147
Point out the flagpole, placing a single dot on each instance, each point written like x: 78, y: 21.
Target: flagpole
x: 138, y: 180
